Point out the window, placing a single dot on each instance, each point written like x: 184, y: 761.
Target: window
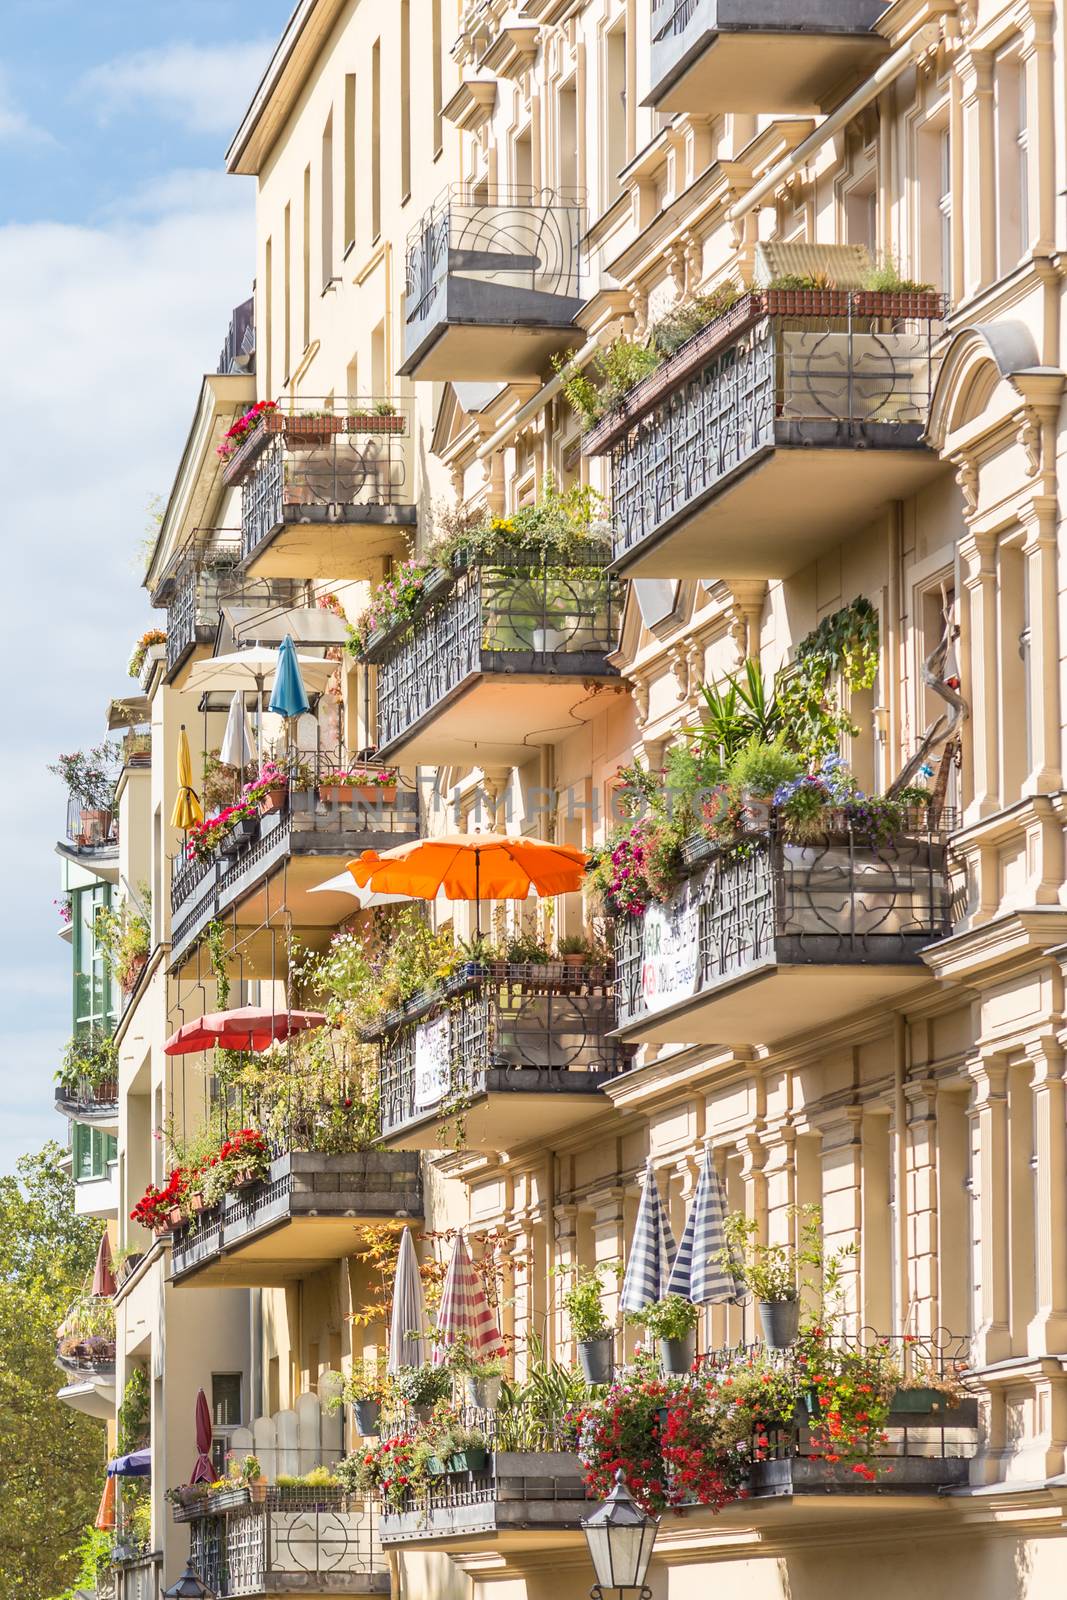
x: 268, y: 315
x: 92, y: 1151
x: 226, y: 1389
x: 306, y: 286
x: 94, y: 1006
x: 350, y: 161
x: 567, y: 140
x: 944, y: 207
x: 405, y: 98
x: 327, y: 203
x: 861, y: 214
x: 438, y: 89
x: 614, y: 110
x: 376, y: 139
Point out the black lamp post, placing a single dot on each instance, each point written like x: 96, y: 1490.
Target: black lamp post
x: 189, y: 1587
x: 620, y: 1537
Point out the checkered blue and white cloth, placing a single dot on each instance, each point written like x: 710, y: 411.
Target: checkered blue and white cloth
x: 697, y: 1273
x: 464, y: 1310
x: 648, y: 1266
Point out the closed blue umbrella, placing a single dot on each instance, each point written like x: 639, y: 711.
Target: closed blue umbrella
x: 697, y: 1274
x: 648, y: 1267
x: 288, y: 697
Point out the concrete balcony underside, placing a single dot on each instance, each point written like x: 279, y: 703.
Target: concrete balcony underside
x: 302, y: 1217
x: 342, y: 541
x: 759, y: 55
x: 306, y: 839
x: 774, y: 939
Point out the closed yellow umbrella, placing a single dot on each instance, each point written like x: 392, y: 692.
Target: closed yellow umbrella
x: 187, y: 808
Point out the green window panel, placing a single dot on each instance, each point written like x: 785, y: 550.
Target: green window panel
x: 92, y: 1150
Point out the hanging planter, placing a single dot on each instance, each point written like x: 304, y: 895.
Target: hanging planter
x: 676, y: 1356
x: 596, y: 1357
x: 781, y: 1322
x: 368, y: 1414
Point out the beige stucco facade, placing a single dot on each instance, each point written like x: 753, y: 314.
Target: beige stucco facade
x: 924, y: 1111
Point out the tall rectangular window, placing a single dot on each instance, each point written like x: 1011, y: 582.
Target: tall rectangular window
x: 613, y: 80
x: 94, y: 1007
x: 438, y: 80
x: 268, y: 319
x: 405, y: 98
x: 306, y: 286
x: 350, y: 160
x: 327, y: 203
x: 944, y: 207
x: 287, y: 294
x: 376, y: 139
x: 567, y: 139
x: 1012, y: 142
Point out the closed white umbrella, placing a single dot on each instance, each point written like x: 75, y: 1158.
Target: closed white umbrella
x: 406, y: 1345
x: 238, y: 747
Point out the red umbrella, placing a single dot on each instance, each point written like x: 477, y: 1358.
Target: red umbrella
x: 249, y: 1028
x: 204, y: 1471
x: 103, y: 1277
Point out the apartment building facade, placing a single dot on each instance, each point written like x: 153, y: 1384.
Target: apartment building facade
x: 850, y: 224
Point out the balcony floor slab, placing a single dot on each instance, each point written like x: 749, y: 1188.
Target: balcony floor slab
x: 780, y: 510
x: 312, y: 544
x: 756, y: 69
x: 484, y: 718
x: 519, y: 1106
x: 458, y: 352
x: 775, y: 1001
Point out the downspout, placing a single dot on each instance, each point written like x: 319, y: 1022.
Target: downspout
x: 537, y: 404
x: 891, y: 68
x: 891, y: 654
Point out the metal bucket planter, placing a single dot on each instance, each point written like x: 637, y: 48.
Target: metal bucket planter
x: 781, y: 1322
x: 368, y: 1415
x: 597, y: 1357
x: 469, y: 1461
x: 920, y: 1402
x: 677, y: 1355
x: 483, y: 1393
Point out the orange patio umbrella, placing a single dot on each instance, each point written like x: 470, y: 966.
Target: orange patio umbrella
x: 472, y: 866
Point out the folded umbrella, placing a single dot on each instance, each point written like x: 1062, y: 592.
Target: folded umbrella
x: 204, y: 1470
x: 406, y: 1344
x: 238, y: 747
x: 289, y: 697
x: 246, y: 1028
x: 103, y: 1277
x: 697, y: 1274
x: 187, y: 808
x: 648, y: 1267
x: 464, y: 1312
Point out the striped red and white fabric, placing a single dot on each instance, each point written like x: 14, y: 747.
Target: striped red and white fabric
x: 464, y: 1314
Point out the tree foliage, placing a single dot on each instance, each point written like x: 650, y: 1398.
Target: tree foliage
x: 52, y: 1456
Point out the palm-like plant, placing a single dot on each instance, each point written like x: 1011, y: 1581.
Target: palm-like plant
x: 746, y: 709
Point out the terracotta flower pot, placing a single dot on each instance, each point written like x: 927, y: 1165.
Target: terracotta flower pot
x: 371, y: 793
x: 244, y: 1179
x: 197, y: 1202
x: 274, y: 799
x: 336, y: 793
x: 137, y: 966
x: 177, y: 1216
x: 161, y: 1229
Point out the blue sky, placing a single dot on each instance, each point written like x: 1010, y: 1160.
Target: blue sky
x: 123, y: 248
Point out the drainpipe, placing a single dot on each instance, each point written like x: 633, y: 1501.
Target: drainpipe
x: 537, y: 404
x: 891, y: 68
x: 891, y: 655
x: 900, y: 1112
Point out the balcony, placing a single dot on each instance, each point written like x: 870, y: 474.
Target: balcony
x: 92, y: 839
x: 497, y: 1057
x: 811, y: 401
x: 304, y: 835
x: 294, y: 1541
x: 769, y: 938
x: 500, y: 647
x: 535, y: 1498
x: 493, y: 285
x: 326, y: 495
x: 94, y: 1103
x: 137, y: 1577
x: 298, y: 1219
x: 759, y: 55
x: 85, y: 1353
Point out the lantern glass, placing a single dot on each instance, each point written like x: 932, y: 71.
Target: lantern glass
x: 189, y: 1587
x: 620, y: 1537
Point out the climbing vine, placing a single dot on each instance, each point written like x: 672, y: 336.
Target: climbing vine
x: 844, y: 644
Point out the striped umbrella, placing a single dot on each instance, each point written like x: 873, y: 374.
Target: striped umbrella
x: 464, y: 1312
x: 648, y: 1266
x: 406, y: 1345
x: 697, y: 1274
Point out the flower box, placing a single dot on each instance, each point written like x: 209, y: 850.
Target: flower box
x: 309, y: 430
x: 437, y: 1466
x: 133, y: 973
x: 920, y: 1402
x: 244, y: 1179
x: 469, y: 1461
x: 274, y: 799
x: 161, y: 1229
x: 241, y: 462
x: 375, y: 422
x: 339, y: 794
x: 177, y: 1216
x: 372, y: 793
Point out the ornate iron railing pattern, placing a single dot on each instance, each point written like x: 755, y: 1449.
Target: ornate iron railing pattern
x: 512, y: 1028
x: 282, y: 1546
x: 844, y: 899
x: 511, y: 613
x: 781, y: 381
x: 300, y: 481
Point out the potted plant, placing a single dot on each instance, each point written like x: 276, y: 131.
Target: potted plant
x: 922, y: 1389
x: 772, y: 1272
x: 268, y: 789
x: 673, y: 1321
x: 482, y: 1382
x: 573, y: 949
x: 755, y: 773
x: 312, y: 427
x: 466, y: 1448
x: 374, y: 785
x: 90, y: 777
x: 126, y: 938
x: 381, y: 418
x: 589, y: 1326
x: 254, y: 1476
x: 365, y: 1390
x: 420, y: 1389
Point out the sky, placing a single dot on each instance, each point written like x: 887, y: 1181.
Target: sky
x: 124, y: 247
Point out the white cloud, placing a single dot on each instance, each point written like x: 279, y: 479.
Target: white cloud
x: 109, y: 329
x: 205, y: 88
x: 15, y: 126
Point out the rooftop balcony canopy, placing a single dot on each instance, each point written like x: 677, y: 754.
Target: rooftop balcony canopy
x: 299, y: 1218
x: 775, y: 431
x: 294, y: 1541
x: 326, y: 492
x: 494, y: 655
x: 759, y: 55
x: 500, y: 1056
x: 493, y: 284
x: 771, y: 938
x: 315, y: 825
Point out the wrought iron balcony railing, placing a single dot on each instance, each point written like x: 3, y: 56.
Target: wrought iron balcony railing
x: 306, y: 824
x: 783, y: 368
x: 714, y: 48
x: 506, y: 259
x: 292, y: 1541
x: 497, y: 1031
x: 510, y: 613
x: 347, y: 465
x: 92, y: 832
x: 762, y: 903
x: 542, y: 1489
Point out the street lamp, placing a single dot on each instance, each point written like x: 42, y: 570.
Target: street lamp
x: 620, y: 1537
x: 189, y: 1587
